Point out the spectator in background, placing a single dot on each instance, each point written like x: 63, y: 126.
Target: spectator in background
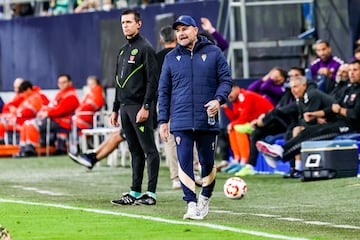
x: 214, y: 36
x: 58, y: 7
x: 17, y: 99
x: 324, y: 67
x: 246, y: 106
x: 271, y: 86
x: 357, y: 43
x: 28, y: 108
x: 341, y: 82
x: 59, y: 111
x: 341, y: 118
x: 93, y: 101
x: 22, y: 10
x: 10, y: 107
x: 87, y: 6
x: 356, y: 54
x: 168, y: 40
x: 94, y: 5
x: 195, y: 80
x: 277, y: 123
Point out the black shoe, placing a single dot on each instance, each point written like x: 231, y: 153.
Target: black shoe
x: 293, y: 174
x: 145, y: 199
x: 126, y: 199
x: 86, y: 160
x: 30, y: 154
x: 59, y: 152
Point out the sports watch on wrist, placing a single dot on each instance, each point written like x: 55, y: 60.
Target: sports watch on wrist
x: 146, y: 106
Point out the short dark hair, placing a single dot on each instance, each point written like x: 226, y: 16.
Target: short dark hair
x: 95, y: 78
x: 357, y: 49
x: 25, y: 85
x: 65, y: 75
x: 322, y: 41
x: 167, y: 34
x: 299, y: 69
x: 282, y: 72
x: 132, y: 11
x: 355, y: 61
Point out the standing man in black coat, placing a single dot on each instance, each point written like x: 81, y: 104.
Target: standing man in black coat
x: 136, y: 79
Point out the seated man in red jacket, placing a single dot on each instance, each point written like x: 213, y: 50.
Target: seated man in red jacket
x: 246, y: 106
x: 17, y: 99
x: 92, y: 102
x: 59, y: 112
x: 28, y: 108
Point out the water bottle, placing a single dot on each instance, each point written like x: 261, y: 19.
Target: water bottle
x: 211, y: 118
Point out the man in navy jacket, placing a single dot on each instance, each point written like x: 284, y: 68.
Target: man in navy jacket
x: 194, y: 82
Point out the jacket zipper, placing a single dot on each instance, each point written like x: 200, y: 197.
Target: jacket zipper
x: 122, y: 67
x: 192, y: 89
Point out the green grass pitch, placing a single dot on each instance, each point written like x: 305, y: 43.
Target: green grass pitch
x: 53, y: 198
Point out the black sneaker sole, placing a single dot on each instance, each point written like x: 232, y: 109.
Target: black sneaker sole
x: 121, y: 204
x: 76, y: 160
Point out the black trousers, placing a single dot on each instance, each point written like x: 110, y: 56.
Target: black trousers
x: 140, y: 138
x: 312, y: 133
x: 223, y: 144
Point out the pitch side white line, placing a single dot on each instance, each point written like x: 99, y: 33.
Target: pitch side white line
x: 290, y: 219
x: 41, y: 191
x: 157, y: 219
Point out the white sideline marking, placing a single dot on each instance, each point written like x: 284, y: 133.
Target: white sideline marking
x: 157, y: 219
x: 290, y: 219
x: 318, y: 223
x: 46, y: 192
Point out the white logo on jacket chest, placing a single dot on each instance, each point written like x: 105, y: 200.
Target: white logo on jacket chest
x: 306, y: 98
x: 178, y: 58
x: 241, y: 97
x: 203, y: 57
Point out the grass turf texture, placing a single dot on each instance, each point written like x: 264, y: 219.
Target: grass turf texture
x: 314, y: 210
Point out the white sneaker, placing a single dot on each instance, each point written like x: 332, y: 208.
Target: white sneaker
x: 272, y: 150
x: 176, y: 184
x: 192, y: 212
x: 203, y: 205
x: 270, y: 160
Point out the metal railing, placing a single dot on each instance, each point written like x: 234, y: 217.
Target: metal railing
x: 244, y: 44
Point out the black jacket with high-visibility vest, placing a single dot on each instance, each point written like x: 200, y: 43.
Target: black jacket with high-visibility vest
x: 137, y: 73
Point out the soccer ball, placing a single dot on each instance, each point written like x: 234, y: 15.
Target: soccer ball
x: 235, y: 188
